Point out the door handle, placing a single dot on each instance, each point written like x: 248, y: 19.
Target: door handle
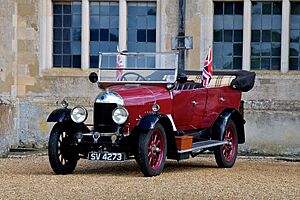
x: 194, y: 103
x: 222, y: 99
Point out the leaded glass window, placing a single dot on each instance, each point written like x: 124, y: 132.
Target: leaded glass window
x: 266, y: 36
x: 67, y: 34
x: 142, y: 32
x: 104, y: 31
x: 141, y: 26
x: 294, y: 60
x: 228, y: 35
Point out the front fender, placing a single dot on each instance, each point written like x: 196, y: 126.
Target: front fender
x: 60, y: 115
x: 219, y: 126
x: 149, y: 121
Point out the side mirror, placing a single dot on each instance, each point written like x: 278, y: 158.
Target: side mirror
x: 93, y: 77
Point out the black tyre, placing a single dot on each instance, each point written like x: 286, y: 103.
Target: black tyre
x: 152, y: 149
x: 225, y: 155
x: 62, y: 157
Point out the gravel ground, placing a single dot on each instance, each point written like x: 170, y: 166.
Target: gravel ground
x: 197, y: 178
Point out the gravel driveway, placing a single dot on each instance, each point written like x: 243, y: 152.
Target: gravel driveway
x: 197, y: 178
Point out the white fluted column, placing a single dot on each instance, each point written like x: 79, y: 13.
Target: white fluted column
x: 285, y: 36
x: 85, y: 34
x: 247, y: 36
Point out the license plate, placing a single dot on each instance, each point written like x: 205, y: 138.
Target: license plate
x: 106, y: 156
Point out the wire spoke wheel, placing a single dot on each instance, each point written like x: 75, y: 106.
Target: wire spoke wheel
x: 62, y: 157
x: 156, y: 150
x: 151, y: 153
x: 226, y: 154
x: 229, y: 149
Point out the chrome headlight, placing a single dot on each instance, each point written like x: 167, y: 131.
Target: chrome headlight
x: 79, y: 114
x: 120, y: 115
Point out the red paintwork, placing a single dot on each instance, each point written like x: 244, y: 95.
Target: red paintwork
x: 138, y: 100
x: 208, y: 103
x: 215, y: 105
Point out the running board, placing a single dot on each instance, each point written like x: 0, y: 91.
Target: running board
x: 203, y: 145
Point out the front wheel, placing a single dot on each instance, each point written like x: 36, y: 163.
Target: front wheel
x: 225, y: 155
x: 152, y: 148
x: 62, y: 156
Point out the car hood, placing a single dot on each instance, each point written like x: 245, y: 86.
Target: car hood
x: 140, y: 94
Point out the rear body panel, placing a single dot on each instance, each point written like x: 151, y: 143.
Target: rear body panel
x: 199, y: 108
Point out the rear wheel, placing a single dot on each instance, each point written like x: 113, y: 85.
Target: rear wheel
x: 62, y: 157
x: 152, y: 148
x: 225, y: 155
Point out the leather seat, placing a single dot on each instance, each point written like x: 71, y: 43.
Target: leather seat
x: 188, y: 86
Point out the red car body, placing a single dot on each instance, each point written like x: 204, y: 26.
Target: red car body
x: 208, y: 104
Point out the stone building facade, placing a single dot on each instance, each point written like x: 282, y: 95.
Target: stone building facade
x: 47, y: 50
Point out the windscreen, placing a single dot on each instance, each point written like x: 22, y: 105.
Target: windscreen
x: 138, y: 67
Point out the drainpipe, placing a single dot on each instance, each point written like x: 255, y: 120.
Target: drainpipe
x: 181, y: 34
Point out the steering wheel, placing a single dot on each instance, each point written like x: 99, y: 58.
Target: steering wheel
x: 138, y: 76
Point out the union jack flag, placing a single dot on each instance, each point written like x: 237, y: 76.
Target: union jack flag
x: 207, y: 70
x: 119, y: 64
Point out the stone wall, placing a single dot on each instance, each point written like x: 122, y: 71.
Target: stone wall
x: 7, y: 46
x: 7, y: 72
x: 273, y: 115
x: 28, y: 92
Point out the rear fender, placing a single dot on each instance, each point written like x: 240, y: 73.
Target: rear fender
x: 60, y: 115
x: 218, y: 128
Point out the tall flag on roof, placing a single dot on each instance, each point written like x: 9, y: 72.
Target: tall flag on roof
x: 207, y: 70
x: 120, y: 65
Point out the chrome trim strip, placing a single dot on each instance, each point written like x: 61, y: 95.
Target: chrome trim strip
x: 204, y: 147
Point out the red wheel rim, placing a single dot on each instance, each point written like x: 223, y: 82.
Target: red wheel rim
x: 229, y: 149
x: 155, y: 149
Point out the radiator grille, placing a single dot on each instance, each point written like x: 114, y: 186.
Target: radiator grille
x: 103, y: 121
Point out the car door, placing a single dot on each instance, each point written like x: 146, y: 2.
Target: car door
x: 182, y: 109
x: 199, y: 98
x: 189, y: 108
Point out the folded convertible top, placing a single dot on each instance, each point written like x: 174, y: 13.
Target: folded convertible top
x: 244, y: 80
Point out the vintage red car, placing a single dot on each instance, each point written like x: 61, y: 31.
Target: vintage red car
x: 147, y: 110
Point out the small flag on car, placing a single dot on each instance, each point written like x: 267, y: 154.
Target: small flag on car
x: 207, y: 70
x: 119, y: 64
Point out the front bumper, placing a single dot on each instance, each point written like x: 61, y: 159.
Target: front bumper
x: 99, y: 138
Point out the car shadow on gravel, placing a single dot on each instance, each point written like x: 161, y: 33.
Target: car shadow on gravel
x: 188, y: 165
x: 127, y: 168
x: 131, y: 168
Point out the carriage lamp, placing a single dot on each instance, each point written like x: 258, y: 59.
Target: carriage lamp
x: 79, y: 114
x: 120, y: 115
